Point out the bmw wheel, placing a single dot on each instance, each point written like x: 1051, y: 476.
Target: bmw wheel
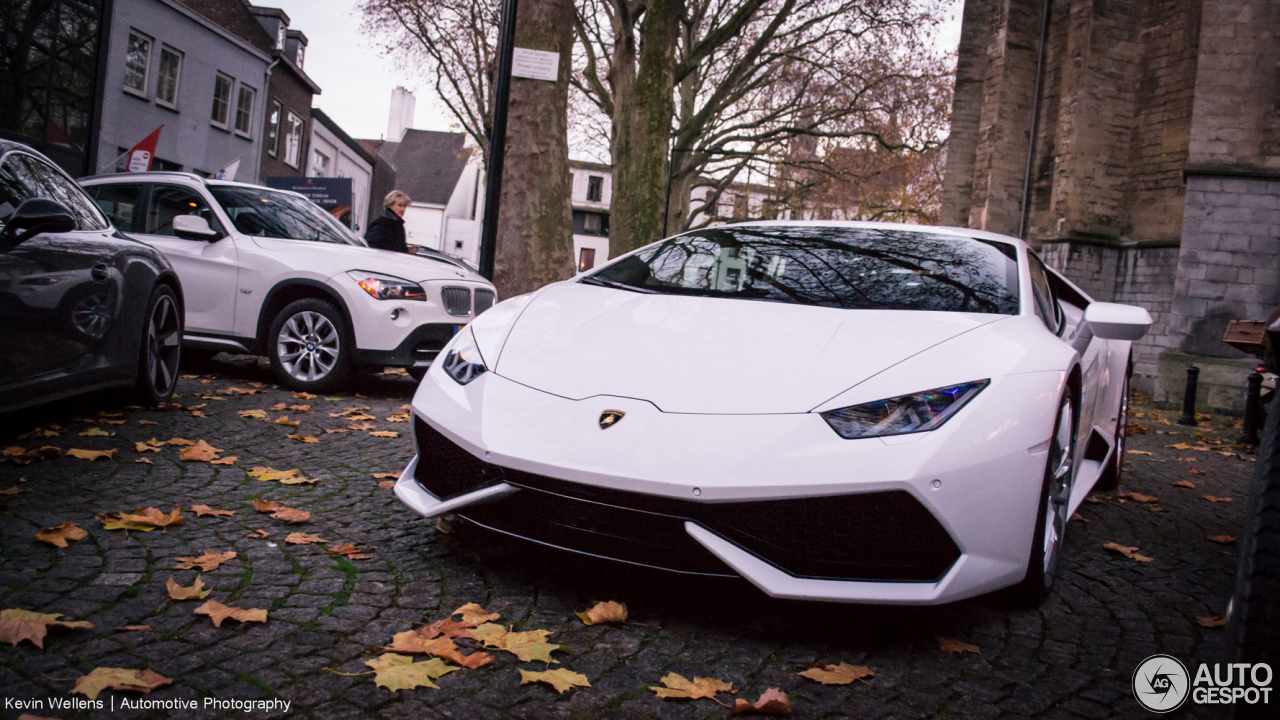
x: 161, y: 350
x: 309, y: 346
x: 1051, y: 522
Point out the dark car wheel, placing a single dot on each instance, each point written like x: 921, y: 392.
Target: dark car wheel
x: 1051, y: 520
x: 309, y: 346
x: 1110, y: 478
x: 161, y: 350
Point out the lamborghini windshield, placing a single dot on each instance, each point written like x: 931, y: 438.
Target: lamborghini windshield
x: 849, y: 268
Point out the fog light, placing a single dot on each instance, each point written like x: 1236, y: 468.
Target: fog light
x: 395, y: 314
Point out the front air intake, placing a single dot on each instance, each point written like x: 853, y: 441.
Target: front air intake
x: 457, y: 301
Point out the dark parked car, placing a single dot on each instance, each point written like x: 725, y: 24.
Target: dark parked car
x: 82, y: 306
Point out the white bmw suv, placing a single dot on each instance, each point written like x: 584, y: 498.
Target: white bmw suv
x: 268, y: 272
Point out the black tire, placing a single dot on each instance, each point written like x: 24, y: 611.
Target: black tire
x: 1253, y: 626
x: 1110, y: 478
x: 309, y: 345
x: 417, y: 373
x: 1056, y: 486
x: 160, y: 351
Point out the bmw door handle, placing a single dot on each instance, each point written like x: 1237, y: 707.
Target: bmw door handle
x: 101, y: 271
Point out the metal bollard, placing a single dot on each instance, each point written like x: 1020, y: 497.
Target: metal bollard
x: 1189, y: 398
x: 1252, y: 406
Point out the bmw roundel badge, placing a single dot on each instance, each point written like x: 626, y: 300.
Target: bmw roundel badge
x: 609, y: 418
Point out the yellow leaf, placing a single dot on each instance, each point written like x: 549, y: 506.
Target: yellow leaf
x: 384, y: 433
x: 529, y: 645
x: 259, y: 534
x: 229, y: 460
x: 17, y: 625
x: 422, y: 642
x: 196, y: 591
x: 956, y: 647
x: 146, y: 447
x: 178, y: 441
x: 1179, y: 446
x: 200, y: 452
x: 387, y: 484
x: 350, y: 551
x: 208, y: 561
x: 1216, y: 499
x: 1223, y: 539
x: 1139, y: 497
x: 152, y: 516
x: 473, y: 615
x: 142, y: 460
x: 90, y: 455
x: 286, y: 477
x: 304, y: 396
x: 1137, y: 452
x: 284, y: 420
x: 300, y: 408
x: 202, y: 510
x: 678, y: 686
x: 60, y: 535
x: 560, y: 679
x: 145, y: 628
x: 605, y: 612
x: 219, y: 612
x: 255, y: 414
x: 118, y: 679
x: 841, y: 674
x: 773, y: 702
x: 361, y: 426
x: 399, y: 672
x: 383, y: 475
x: 303, y: 438
x: 112, y: 521
x: 329, y: 431
x: 1129, y: 552
x: 291, y: 515
x: 303, y: 539
x: 1184, y: 483
x: 95, y: 432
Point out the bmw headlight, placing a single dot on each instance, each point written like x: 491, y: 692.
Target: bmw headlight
x: 912, y: 413
x: 463, y: 362
x: 386, y: 287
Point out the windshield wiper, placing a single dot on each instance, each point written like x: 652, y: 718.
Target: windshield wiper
x: 593, y: 280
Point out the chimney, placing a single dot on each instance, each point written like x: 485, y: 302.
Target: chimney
x: 401, y: 117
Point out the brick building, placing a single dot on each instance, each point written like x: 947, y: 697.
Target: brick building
x: 285, y: 145
x: 1136, y: 143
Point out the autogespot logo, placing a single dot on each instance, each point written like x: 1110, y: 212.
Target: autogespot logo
x: 1160, y: 683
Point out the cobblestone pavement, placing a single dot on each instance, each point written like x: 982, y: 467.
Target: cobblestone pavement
x: 1071, y: 658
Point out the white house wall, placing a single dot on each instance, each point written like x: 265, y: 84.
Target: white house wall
x: 343, y: 163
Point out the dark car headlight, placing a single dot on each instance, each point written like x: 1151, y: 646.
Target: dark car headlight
x: 387, y: 287
x: 904, y: 414
x: 463, y: 362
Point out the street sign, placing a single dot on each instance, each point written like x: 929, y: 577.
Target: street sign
x: 332, y: 194
x: 535, y: 64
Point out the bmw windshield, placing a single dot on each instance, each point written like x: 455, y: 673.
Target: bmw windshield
x: 827, y: 266
x: 260, y: 212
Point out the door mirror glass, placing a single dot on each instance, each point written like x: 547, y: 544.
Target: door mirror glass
x: 1113, y: 321
x: 36, y: 216
x: 194, y: 227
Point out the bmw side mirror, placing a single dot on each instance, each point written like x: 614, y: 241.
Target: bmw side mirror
x: 36, y: 216
x: 194, y: 227
x: 1113, y: 321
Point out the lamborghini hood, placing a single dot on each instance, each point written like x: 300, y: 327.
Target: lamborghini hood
x: 710, y: 355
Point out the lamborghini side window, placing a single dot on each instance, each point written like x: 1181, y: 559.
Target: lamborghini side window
x: 1046, y: 304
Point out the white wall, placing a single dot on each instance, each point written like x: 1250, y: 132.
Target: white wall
x: 342, y: 163
x: 422, y: 225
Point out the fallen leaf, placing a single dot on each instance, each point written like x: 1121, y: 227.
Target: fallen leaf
x: 109, y: 422
x: 255, y: 414
x: 146, y: 447
x: 12, y: 490
x: 284, y: 477
x: 399, y: 418
x: 414, y: 641
x: 300, y: 408
x: 111, y: 521
x: 304, y: 396
x: 259, y: 534
x: 448, y: 628
x: 1197, y: 472
x: 678, y: 686
x: 200, y: 452
x: 396, y: 371
x: 60, y: 535
x: 197, y: 413
x: 1139, y: 497
x: 1129, y: 552
x: 560, y: 679
x: 387, y: 484
x: 284, y: 420
x: 956, y: 647
x: 291, y: 515
x: 1212, y: 622
x: 1188, y: 460
x: 91, y: 455
x: 384, y: 433
x: 118, y: 679
x: 142, y: 460
x: 1137, y: 452
x: 1078, y: 516
x: 303, y: 438
x: 1179, y: 446
x: 1223, y: 539
x: 202, y: 510
x: 361, y: 416
x: 1136, y: 429
x: 381, y: 475
x: 237, y: 391
x: 95, y: 432
x: 605, y: 612
x: 229, y: 460
x: 196, y: 591
x: 529, y: 645
x: 841, y: 674
x: 350, y: 551
x: 773, y: 702
x: 1093, y: 500
x: 1184, y: 483
x: 17, y: 625
x: 152, y: 516
x: 473, y: 615
x: 329, y: 431
x: 266, y: 506
x: 399, y: 672
x: 178, y: 441
x: 208, y: 561
x: 219, y: 612
x: 303, y: 539
x: 148, y: 422
x: 1216, y: 499
x: 143, y: 628
x: 255, y: 384
x: 361, y: 426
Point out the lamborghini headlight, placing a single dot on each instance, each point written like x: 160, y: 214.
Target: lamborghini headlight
x: 463, y: 362
x: 912, y: 413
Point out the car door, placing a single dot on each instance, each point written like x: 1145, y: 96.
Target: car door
x: 206, y: 269
x: 60, y: 293
x: 1092, y: 358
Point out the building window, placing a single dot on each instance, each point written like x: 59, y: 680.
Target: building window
x: 244, y: 110
x: 586, y: 258
x: 321, y: 168
x: 273, y: 128
x: 221, y: 100
x: 137, y: 59
x: 591, y: 223
x: 293, y: 139
x: 595, y: 188
x: 301, y: 52
x: 280, y: 30
x: 170, y: 72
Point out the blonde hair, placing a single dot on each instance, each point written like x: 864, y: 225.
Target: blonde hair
x: 395, y: 196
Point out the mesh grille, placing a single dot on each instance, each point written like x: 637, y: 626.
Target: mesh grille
x: 484, y: 300
x: 446, y: 469
x: 457, y: 301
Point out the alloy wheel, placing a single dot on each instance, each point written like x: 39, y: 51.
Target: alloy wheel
x: 1055, y: 519
x: 308, y: 346
x: 163, y: 345
x: 90, y: 315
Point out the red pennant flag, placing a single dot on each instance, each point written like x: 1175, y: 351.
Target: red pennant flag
x: 140, y: 155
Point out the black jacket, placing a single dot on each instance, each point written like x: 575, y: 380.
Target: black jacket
x: 387, y: 233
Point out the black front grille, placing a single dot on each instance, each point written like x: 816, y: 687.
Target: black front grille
x: 457, y: 300
x: 877, y: 536
x: 484, y: 300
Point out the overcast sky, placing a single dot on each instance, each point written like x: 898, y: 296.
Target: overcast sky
x: 357, y: 81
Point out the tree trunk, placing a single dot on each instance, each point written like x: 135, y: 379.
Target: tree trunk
x: 535, y: 222
x: 643, y: 80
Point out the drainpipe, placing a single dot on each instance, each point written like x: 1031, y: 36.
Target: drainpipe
x: 1035, y: 116
x: 262, y: 134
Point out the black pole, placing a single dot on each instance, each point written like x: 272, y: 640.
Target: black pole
x: 1249, y: 436
x: 666, y: 208
x: 497, y: 138
x: 1189, y: 397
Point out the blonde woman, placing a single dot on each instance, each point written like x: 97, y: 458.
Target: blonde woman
x: 387, y: 232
